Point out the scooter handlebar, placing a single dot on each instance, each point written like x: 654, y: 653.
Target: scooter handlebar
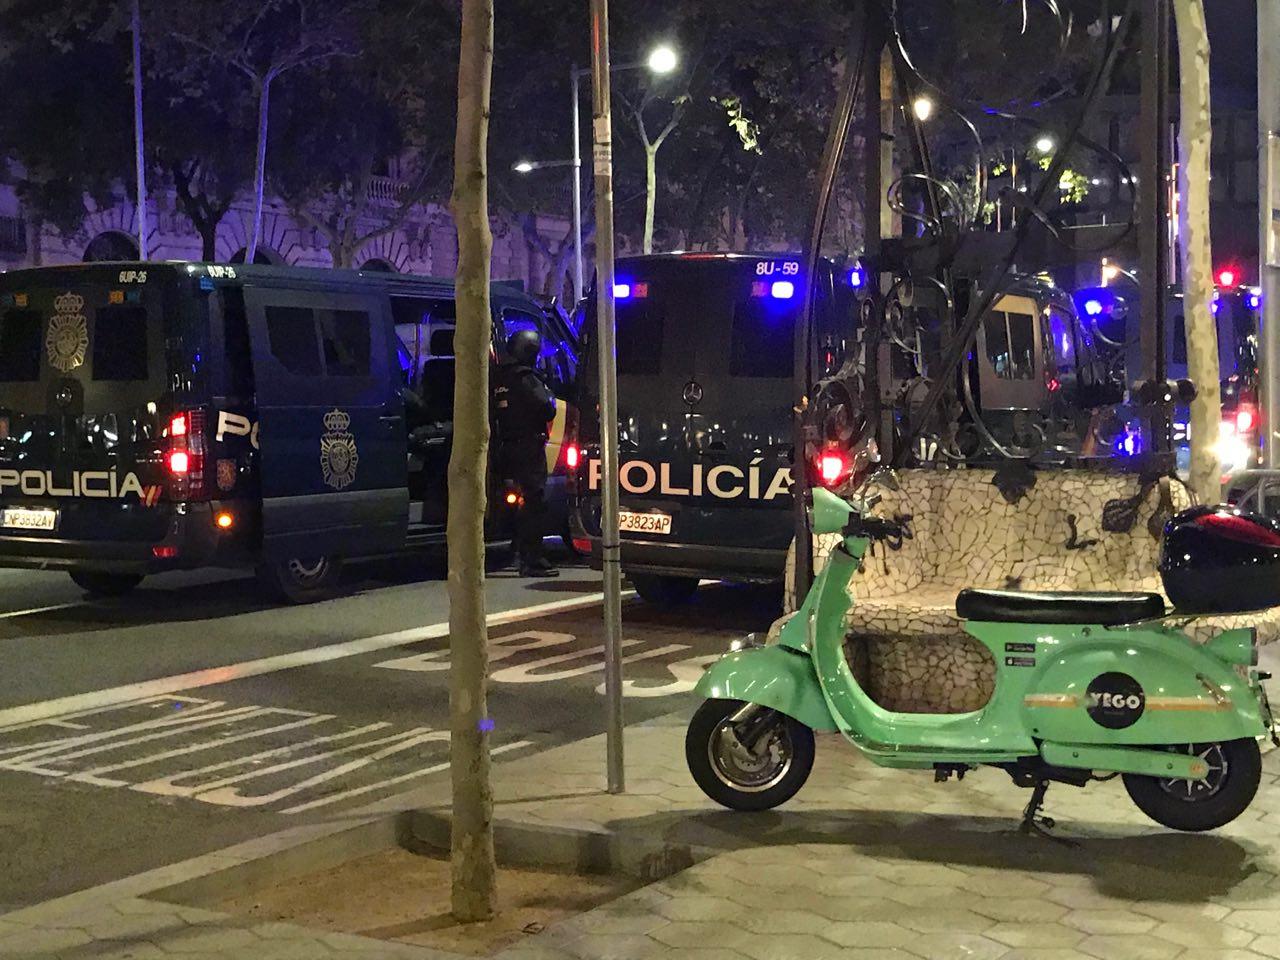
x: 874, y: 528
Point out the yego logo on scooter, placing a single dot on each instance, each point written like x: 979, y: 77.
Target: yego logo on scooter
x: 1115, y: 700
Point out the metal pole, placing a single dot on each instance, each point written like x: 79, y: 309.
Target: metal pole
x: 139, y: 152
x: 602, y: 154
x: 579, y: 289
x: 1269, y: 224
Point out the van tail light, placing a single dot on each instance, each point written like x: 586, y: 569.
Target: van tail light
x: 184, y: 458
x: 1246, y: 419
x: 833, y: 468
x: 572, y: 455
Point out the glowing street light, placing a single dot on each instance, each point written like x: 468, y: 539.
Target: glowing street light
x: 1045, y: 144
x: 662, y: 59
x: 923, y: 108
x: 524, y: 166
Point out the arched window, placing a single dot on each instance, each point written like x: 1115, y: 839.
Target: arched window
x: 263, y: 256
x: 111, y: 245
x: 379, y: 265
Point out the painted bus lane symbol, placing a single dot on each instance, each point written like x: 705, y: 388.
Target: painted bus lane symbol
x: 546, y: 656
x: 249, y: 757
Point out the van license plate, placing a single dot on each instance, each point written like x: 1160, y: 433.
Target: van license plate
x: 630, y: 522
x: 23, y: 519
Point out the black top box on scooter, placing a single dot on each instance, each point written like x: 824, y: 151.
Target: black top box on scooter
x: 1221, y: 560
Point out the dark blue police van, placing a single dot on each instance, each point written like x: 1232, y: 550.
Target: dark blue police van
x: 705, y: 355
x: 160, y: 416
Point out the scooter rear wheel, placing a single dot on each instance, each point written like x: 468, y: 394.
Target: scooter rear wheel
x: 1235, y: 769
x: 733, y: 775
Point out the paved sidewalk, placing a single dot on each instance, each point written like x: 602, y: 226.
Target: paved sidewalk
x: 864, y: 864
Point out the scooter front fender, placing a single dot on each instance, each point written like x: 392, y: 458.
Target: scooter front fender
x: 772, y: 676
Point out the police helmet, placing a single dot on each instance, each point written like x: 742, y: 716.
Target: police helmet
x: 523, y: 346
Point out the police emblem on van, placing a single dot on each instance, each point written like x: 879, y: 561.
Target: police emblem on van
x: 67, y: 338
x: 339, y: 457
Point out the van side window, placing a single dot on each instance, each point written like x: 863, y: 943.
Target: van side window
x: 291, y: 332
x: 20, y: 346
x: 1010, y: 344
x: 640, y: 325
x: 237, y: 354
x: 345, y: 337
x: 762, y: 343
x: 120, y: 343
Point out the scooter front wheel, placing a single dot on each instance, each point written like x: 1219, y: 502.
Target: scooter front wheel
x: 1235, y: 769
x: 751, y: 762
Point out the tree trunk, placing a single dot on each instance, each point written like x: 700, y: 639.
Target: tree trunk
x: 35, y: 241
x: 259, y: 169
x: 1194, y: 133
x: 474, y: 869
x: 650, y: 193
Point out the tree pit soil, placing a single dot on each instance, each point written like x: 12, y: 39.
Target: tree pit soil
x: 404, y: 897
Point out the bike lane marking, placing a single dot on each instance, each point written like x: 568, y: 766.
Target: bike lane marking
x: 128, y: 693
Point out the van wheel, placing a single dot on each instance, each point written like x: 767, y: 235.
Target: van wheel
x: 301, y: 580
x: 98, y: 584
x: 664, y: 591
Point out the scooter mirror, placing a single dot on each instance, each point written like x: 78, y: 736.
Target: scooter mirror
x: 830, y: 513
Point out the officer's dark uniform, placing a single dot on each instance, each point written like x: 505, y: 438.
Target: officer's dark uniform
x: 524, y: 407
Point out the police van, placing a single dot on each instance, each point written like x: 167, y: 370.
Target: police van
x: 705, y: 357
x: 161, y: 416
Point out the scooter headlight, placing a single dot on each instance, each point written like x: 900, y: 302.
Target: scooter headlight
x: 749, y: 642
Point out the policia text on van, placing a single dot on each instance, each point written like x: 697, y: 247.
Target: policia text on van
x: 706, y: 347
x: 172, y: 416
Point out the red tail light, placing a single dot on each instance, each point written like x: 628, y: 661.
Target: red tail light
x: 572, y: 455
x: 185, y: 456
x: 833, y: 467
x: 1246, y: 419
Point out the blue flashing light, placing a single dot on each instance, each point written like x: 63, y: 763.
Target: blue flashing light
x: 622, y: 291
x: 1254, y: 301
x: 857, y: 278
x: 1093, y: 307
x: 782, y: 290
x: 1128, y: 444
x: 206, y: 284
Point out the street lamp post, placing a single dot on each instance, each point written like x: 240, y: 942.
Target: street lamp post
x: 662, y: 59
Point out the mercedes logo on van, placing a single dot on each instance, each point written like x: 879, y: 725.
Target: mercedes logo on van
x: 692, y: 393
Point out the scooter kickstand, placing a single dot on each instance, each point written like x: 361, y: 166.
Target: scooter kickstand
x: 1033, y: 822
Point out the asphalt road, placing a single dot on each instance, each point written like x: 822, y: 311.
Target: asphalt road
x: 193, y: 714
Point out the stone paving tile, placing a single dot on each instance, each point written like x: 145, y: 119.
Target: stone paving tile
x: 1130, y: 947
x: 950, y: 946
x: 1255, y: 921
x: 1108, y: 922
x: 868, y: 933
x: 1030, y: 935
x: 31, y: 943
x: 1202, y: 934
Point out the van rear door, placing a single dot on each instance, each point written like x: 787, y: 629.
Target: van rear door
x: 331, y: 423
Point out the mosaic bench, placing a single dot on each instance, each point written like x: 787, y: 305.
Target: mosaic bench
x: 1045, y: 531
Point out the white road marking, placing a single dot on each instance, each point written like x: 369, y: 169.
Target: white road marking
x: 26, y: 613
x: 299, y: 771
x: 438, y: 768
x: 685, y: 673
x: 113, y: 696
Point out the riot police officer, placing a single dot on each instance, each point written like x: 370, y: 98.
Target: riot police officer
x: 524, y: 407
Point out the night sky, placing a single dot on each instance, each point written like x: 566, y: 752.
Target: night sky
x: 1233, y: 40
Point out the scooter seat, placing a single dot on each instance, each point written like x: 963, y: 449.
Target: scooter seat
x: 1021, y: 606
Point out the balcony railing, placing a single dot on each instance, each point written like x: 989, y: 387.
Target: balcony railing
x: 386, y: 190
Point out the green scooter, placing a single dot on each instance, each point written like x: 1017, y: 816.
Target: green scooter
x: 1087, y: 685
